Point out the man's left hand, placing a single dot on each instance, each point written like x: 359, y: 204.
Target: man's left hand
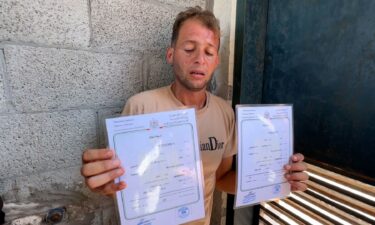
x: 295, y: 173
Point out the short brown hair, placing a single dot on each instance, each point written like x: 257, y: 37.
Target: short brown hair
x: 206, y: 17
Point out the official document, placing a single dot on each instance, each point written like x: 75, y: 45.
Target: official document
x: 160, y: 155
x: 265, y: 144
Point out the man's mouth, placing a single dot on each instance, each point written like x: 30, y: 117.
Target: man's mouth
x: 197, y: 73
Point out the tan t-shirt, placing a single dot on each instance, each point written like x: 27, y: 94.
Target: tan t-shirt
x: 216, y: 131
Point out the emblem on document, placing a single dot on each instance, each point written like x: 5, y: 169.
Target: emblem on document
x: 144, y: 222
x: 183, y: 212
x: 276, y: 188
x: 154, y: 123
x: 250, y: 197
x: 267, y: 115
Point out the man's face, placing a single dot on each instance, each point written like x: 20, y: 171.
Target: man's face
x: 194, y: 56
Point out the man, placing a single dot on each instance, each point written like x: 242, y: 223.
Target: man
x: 194, y: 56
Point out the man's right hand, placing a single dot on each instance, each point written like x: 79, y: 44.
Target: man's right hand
x: 100, y: 168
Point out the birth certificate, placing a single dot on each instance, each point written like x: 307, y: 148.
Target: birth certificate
x: 265, y: 145
x: 163, y: 173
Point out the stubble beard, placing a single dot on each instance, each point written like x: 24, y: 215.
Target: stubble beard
x: 190, y: 85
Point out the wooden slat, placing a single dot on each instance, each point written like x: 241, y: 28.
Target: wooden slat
x: 345, y: 200
x: 342, y: 198
x: 337, y: 196
x: 350, y: 212
x: 271, y: 215
x: 318, y: 212
x: 307, y: 212
x: 354, y: 184
x: 291, y: 215
x: 343, y: 191
x: 263, y: 221
x: 342, y: 172
x: 333, y: 210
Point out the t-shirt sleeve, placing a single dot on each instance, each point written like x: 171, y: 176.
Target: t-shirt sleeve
x: 132, y: 108
x: 231, y: 143
x: 126, y: 111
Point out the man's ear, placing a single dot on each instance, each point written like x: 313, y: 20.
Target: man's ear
x: 169, y: 57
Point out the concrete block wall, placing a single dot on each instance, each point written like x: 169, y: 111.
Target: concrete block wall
x: 65, y: 66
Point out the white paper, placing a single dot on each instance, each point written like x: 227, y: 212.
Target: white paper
x: 265, y: 144
x: 161, y: 158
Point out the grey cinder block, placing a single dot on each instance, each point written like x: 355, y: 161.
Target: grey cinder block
x: 34, y: 143
x: 127, y: 24
x: 2, y: 69
x: 46, y: 22
x: 38, y: 193
x: 183, y: 3
x: 45, y: 78
x: 110, y: 216
x: 5, y: 104
x: 102, y: 115
x: 156, y: 72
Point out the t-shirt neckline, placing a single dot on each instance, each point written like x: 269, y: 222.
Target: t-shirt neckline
x: 180, y: 104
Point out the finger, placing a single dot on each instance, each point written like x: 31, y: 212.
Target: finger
x: 300, y: 166
x: 104, y: 178
x: 97, y: 154
x: 298, y: 186
x: 98, y: 167
x: 301, y: 176
x: 112, y: 188
x: 298, y: 157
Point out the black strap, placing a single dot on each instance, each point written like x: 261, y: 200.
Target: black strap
x: 2, y: 214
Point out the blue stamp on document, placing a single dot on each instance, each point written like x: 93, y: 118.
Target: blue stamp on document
x: 144, y: 222
x: 183, y: 212
x: 250, y: 197
x: 276, y: 188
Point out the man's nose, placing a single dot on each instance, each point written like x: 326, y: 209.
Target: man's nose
x: 199, y: 57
